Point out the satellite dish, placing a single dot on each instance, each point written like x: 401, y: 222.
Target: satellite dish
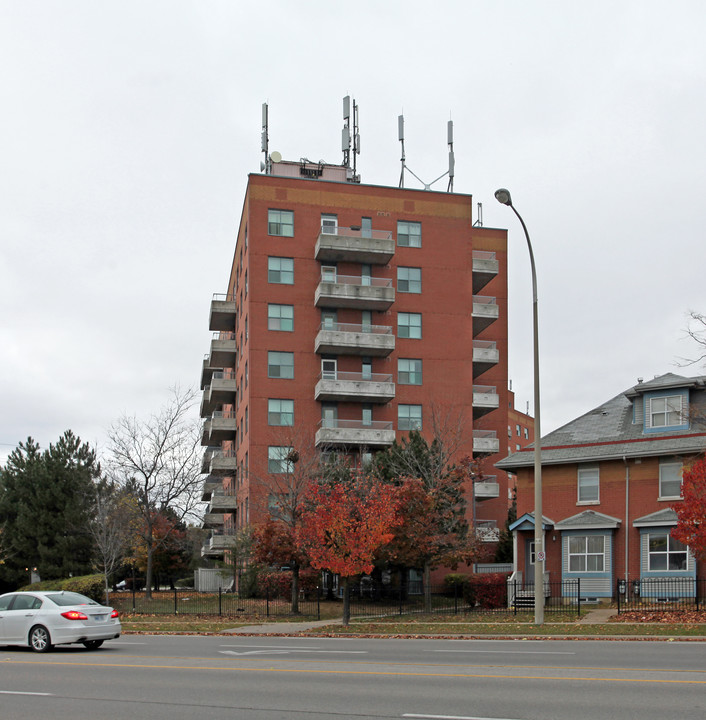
x: 276, y: 156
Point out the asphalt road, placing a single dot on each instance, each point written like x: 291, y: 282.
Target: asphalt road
x: 264, y: 678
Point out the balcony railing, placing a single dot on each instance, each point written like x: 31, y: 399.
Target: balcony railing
x: 487, y: 488
x: 354, y: 291
x: 355, y: 339
x: 485, y: 356
x: 485, y: 442
x: 357, y: 386
x: 353, y: 244
x: 223, y: 312
x: 223, y: 348
x: 487, y: 530
x: 485, y: 268
x: 485, y: 312
x: 377, y: 433
x: 485, y: 400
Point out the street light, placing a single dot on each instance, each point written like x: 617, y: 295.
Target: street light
x: 503, y: 196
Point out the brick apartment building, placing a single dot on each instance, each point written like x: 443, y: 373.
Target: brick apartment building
x: 609, y: 481
x: 353, y: 314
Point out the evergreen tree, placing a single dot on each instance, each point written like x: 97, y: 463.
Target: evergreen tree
x: 46, y: 502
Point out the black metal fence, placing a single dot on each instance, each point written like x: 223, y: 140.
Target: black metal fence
x: 661, y: 594
x: 191, y: 602
x: 497, y: 597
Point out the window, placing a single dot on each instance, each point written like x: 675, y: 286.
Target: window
x: 367, y: 415
x: 280, y: 412
x: 665, y: 411
x: 246, y: 328
x: 409, y: 234
x: 588, y: 485
x: 246, y: 283
x: 409, y: 417
x: 509, y: 431
x: 280, y: 364
x: 329, y: 368
x: 329, y: 319
x: 366, y: 317
x: 670, y: 480
x: 280, y: 222
x: 666, y: 553
x: 280, y: 270
x: 409, y: 325
x: 517, y: 430
x: 328, y: 273
x: 366, y: 275
x: 526, y: 433
x: 245, y: 374
x: 587, y: 553
x: 366, y: 368
x: 246, y: 421
x: 409, y: 280
x: 277, y: 459
x: 409, y: 372
x: 280, y: 317
x: 366, y: 227
x: 329, y: 224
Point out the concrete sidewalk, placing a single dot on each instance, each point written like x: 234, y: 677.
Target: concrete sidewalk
x: 283, y: 628
x: 599, y: 616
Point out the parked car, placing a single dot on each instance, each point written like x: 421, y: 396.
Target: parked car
x: 41, y: 620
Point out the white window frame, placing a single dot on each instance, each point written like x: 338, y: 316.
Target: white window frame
x: 668, y: 410
x: 586, y: 553
x: 280, y: 223
x: 665, y: 467
x: 585, y: 479
x: 329, y: 224
x: 678, y: 549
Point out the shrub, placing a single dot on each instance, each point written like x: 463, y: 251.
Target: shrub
x: 490, y: 589
x: 278, y: 583
x: 92, y: 586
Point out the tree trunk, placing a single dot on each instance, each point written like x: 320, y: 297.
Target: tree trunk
x: 295, y: 589
x: 105, y: 579
x: 346, y: 601
x: 148, y: 572
x: 427, y: 587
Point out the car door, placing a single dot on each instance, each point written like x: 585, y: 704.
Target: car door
x: 4, y: 610
x: 20, y: 617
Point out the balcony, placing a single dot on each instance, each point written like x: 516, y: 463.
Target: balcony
x: 210, y: 486
x: 359, y: 292
x: 486, y: 489
x: 222, y: 502
x: 341, y: 244
x: 355, y: 387
x: 206, y: 372
x: 485, y: 312
x: 485, y: 268
x: 351, y: 433
x: 223, y: 463
x: 223, y: 311
x: 222, y: 350
x: 206, y: 460
x: 221, y: 541
x: 485, y: 356
x: 485, y: 400
x: 213, y: 520
x: 208, y: 552
x: 221, y: 391
x: 485, y: 442
x: 487, y: 530
x: 352, y: 339
x: 221, y: 426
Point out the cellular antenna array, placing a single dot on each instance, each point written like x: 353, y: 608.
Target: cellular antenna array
x: 347, y: 136
x: 452, y: 162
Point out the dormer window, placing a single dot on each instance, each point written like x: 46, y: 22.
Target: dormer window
x: 666, y: 412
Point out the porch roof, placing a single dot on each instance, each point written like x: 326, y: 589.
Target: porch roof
x: 587, y: 520
x: 526, y: 522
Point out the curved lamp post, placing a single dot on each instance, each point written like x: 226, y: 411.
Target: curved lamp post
x: 503, y: 196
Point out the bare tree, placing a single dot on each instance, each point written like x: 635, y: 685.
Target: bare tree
x: 113, y: 526
x: 696, y: 330
x: 159, y: 459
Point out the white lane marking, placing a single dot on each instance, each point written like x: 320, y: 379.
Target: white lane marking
x: 276, y: 647
x: 452, y: 717
x: 17, y: 692
x: 504, y: 652
x: 273, y: 651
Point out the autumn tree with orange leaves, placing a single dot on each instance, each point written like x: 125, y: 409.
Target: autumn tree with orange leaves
x: 691, y: 511
x: 345, y: 525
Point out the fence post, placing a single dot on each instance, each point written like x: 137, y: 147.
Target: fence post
x: 696, y: 591
x: 267, y: 598
x: 617, y: 592
x: 400, y: 598
x: 318, y: 602
x: 578, y: 596
x: 133, y: 594
x: 455, y: 598
x: 514, y: 597
x: 220, y: 612
x: 176, y: 612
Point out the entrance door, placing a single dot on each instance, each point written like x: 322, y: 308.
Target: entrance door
x: 529, y: 562
x: 328, y: 369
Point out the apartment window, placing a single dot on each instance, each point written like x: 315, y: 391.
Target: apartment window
x: 517, y: 430
x: 366, y: 227
x: 670, y: 480
x: 366, y: 368
x: 409, y: 417
x: 247, y: 424
x: 329, y: 319
x: 280, y: 317
x: 246, y: 373
x: 509, y: 431
x: 366, y: 319
x: 409, y: 280
x: 526, y: 433
x: 366, y: 275
x: 329, y: 224
x: 409, y: 372
x: 246, y: 283
x: 367, y: 415
x: 280, y: 364
x: 409, y: 234
x: 280, y: 412
x: 666, y: 553
x: 409, y: 325
x: 588, y: 483
x: 277, y: 461
x: 280, y: 222
x: 246, y: 328
x: 280, y: 270
x: 587, y: 553
x: 666, y: 411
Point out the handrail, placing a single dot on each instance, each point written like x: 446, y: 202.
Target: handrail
x: 356, y: 376
x: 358, y: 328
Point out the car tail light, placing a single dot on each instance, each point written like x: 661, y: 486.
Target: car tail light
x: 74, y: 615
x: 115, y: 614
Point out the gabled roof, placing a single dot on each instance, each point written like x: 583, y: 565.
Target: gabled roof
x: 608, y: 431
x: 661, y: 517
x: 526, y: 522
x: 587, y: 520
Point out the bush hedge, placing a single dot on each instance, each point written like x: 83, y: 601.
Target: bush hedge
x: 278, y: 583
x: 92, y: 586
x: 486, y: 590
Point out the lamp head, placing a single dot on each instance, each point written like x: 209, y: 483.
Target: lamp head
x: 503, y: 196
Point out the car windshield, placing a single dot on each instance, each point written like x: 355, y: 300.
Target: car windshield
x: 71, y: 598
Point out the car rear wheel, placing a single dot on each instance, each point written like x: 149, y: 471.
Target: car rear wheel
x: 92, y: 644
x: 39, y: 639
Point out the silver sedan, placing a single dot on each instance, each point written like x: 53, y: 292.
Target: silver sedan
x: 41, y: 620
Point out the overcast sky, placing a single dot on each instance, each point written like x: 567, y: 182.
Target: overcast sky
x: 128, y: 129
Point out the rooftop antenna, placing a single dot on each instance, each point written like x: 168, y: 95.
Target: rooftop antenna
x: 479, y: 216
x: 266, y: 166
x: 452, y: 163
x: 347, y: 137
